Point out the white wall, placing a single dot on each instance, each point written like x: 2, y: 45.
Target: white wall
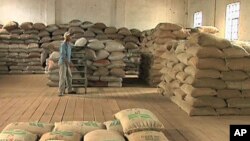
x: 25, y: 10
x: 214, y: 13
x: 142, y: 14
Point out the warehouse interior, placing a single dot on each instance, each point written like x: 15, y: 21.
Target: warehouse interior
x: 143, y: 70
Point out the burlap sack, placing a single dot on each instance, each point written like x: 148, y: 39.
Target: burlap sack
x: 211, y: 40
x: 59, y: 32
x: 227, y: 93
x: 39, y: 26
x: 117, y: 72
x: 101, y: 63
x: 116, y: 56
x: 93, y: 78
x: 240, y: 64
x: 179, y: 67
x: 136, y: 119
x: 96, y: 45
x: 32, y: 127
x: 86, y: 24
x: 245, y: 93
x: 57, y: 37
x: 206, y: 101
x: 81, y: 127
x: 101, y: 26
x: 228, y: 111
x: 110, y: 79
x: 147, y: 136
x: 131, y: 38
x: 163, y: 34
x: 75, y: 22
x: 234, y: 76
x: 179, y: 93
x: 124, y: 31
x: 184, y: 58
x: 239, y: 102
x: 51, y: 28
x: 114, y: 46
x: 209, y: 63
x: 209, y: 83
x: 45, y: 39
x: 103, y: 135
x: 206, y: 52
x: 235, y: 52
x: 61, y: 135
x: 115, y: 36
x: 110, y: 30
x: 181, y: 34
x: 197, y: 92
x: 168, y: 26
x: 239, y: 85
x: 114, y: 125
x: 11, y: 25
x: 208, y: 29
x: 101, y: 54
x: 181, y: 76
x: 96, y: 30
x: 89, y: 34
x: 53, y: 46
x: 3, y: 32
x: 131, y: 45
x: 17, y: 135
x: 102, y: 71
x: 116, y: 64
x: 90, y: 54
x: 101, y: 37
x: 136, y: 32
x: 43, y: 33
x: 54, y: 56
x: 198, y: 73
x: 163, y: 41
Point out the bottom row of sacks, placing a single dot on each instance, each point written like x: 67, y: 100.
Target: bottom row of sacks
x: 130, y: 125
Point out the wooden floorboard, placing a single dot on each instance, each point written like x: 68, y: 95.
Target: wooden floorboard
x: 27, y: 98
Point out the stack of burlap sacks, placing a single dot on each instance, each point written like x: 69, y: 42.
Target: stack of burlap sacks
x: 19, y: 48
x: 99, y: 31
x: 104, y: 61
x: 207, y: 75
x: 155, y: 43
x: 131, y: 124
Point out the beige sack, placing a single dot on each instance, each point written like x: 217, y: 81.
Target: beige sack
x: 32, y: 127
x: 96, y: 45
x: 116, y: 56
x: 101, y: 54
x: 205, y: 52
x: 113, y: 46
x: 208, y: 63
x: 239, y: 85
x: 209, y: 83
x: 197, y: 92
x: 136, y: 119
x: 81, y: 127
x: 211, y: 40
x: 184, y: 58
x: 235, y: 52
x: 114, y: 125
x: 198, y: 73
x: 206, y: 101
x: 233, y: 75
x: 147, y: 136
x: 117, y: 72
x: 168, y: 26
x: 104, y: 135
x: 17, y: 135
x: 61, y: 135
x: 239, y: 64
x: 227, y: 93
x: 239, y: 102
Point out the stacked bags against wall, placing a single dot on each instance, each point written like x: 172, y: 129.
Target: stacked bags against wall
x: 208, y: 75
x: 4, y: 53
x: 164, y: 35
x: 23, y: 49
x: 105, y: 63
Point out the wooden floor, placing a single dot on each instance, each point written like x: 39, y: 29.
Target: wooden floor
x: 27, y: 98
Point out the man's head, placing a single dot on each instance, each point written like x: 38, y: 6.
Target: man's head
x: 67, y: 36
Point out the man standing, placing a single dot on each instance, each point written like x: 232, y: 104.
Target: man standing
x: 64, y: 63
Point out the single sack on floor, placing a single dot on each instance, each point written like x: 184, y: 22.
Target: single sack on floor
x: 137, y: 119
x: 103, y: 135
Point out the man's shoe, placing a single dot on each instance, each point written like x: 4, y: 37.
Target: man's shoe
x: 72, y: 92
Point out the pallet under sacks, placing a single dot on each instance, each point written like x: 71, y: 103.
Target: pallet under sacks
x: 155, y: 43
x: 104, y: 62
x: 207, y: 75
